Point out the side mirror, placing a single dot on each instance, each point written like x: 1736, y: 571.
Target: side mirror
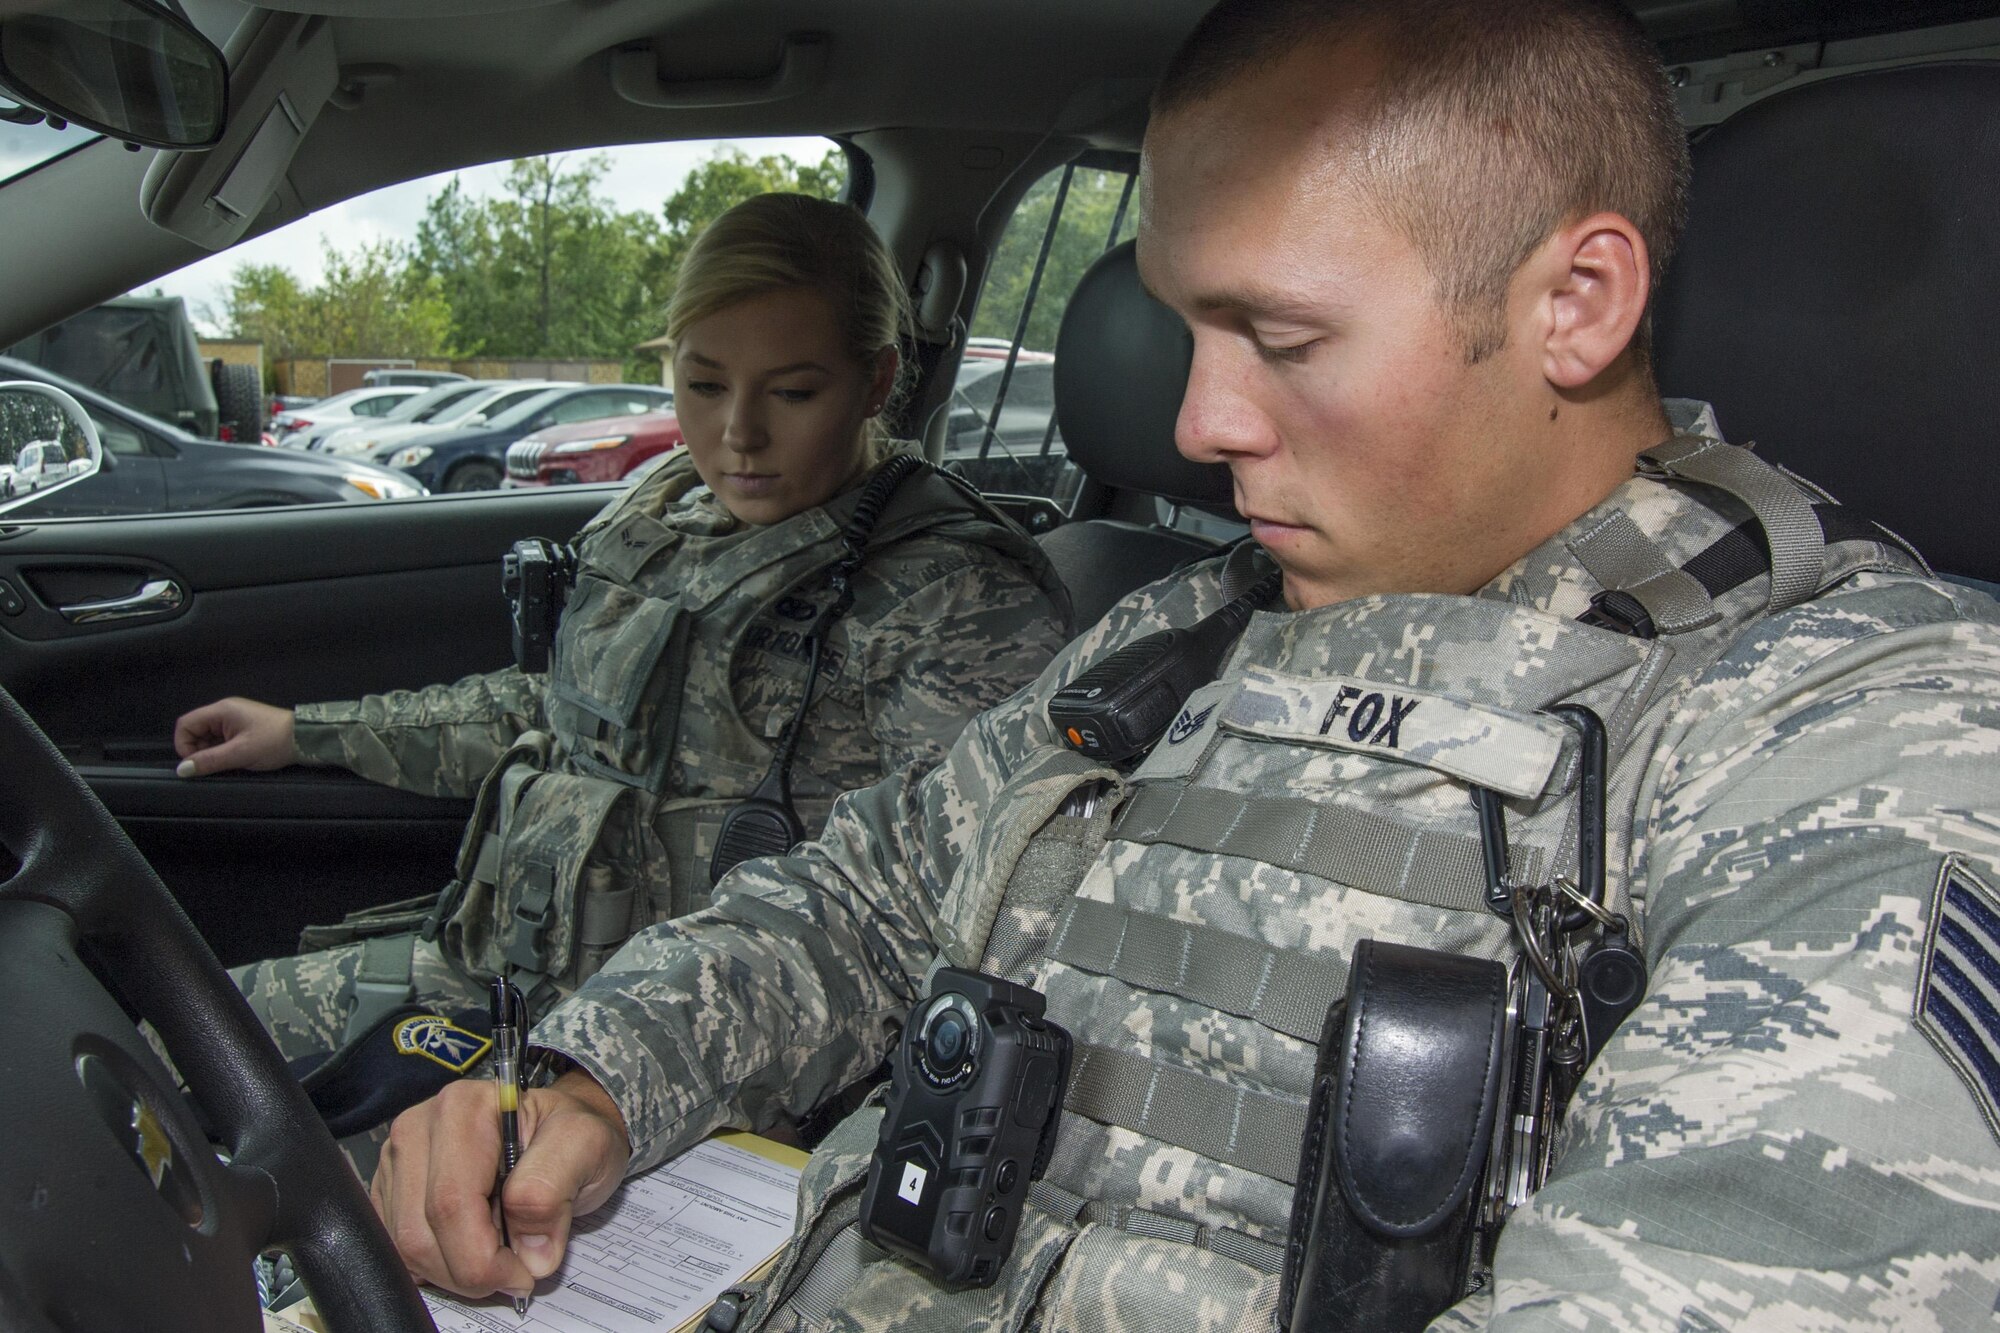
x: 127, y: 68
x: 47, y: 442
x: 476, y: 419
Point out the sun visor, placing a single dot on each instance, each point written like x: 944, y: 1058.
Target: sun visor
x: 282, y: 70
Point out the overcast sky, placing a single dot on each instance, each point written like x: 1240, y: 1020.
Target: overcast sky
x: 640, y: 179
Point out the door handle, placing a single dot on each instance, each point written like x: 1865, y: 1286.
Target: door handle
x: 156, y: 597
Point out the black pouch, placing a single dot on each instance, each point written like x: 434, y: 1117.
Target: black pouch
x: 1402, y: 1110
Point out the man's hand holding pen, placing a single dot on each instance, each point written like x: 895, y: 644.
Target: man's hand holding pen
x: 440, y: 1211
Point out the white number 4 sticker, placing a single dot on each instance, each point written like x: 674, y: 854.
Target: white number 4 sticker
x: 914, y: 1177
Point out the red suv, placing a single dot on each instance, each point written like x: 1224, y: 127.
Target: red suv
x: 606, y: 449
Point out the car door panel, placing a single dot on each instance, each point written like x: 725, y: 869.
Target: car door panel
x: 287, y: 606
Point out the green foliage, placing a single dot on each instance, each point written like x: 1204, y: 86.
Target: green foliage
x: 729, y: 177
x: 370, y: 302
x: 1083, y: 232
x: 547, y: 268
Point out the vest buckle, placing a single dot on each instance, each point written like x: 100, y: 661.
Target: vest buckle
x: 1621, y: 613
x: 534, y: 914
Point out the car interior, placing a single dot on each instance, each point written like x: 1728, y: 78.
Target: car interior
x: 1833, y: 298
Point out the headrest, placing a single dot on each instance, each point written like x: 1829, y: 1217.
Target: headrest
x: 1838, y: 291
x: 1121, y: 369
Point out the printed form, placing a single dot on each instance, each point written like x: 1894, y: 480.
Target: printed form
x: 656, y: 1256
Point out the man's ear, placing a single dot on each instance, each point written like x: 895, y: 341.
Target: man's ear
x: 1597, y: 277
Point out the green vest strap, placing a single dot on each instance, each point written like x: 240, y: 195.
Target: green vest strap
x: 382, y: 983
x: 1624, y: 559
x: 1782, y: 506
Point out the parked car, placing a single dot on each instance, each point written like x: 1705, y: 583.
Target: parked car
x: 297, y: 430
x: 426, y: 407
x: 152, y: 467
x: 474, y: 459
x: 607, y: 450
x: 1010, y: 458
x: 142, y: 351
x: 423, y: 379
x: 463, y: 407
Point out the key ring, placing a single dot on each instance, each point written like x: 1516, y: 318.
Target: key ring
x: 1597, y: 911
x: 1531, y: 945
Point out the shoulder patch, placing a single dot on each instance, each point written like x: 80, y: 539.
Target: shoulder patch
x: 1958, y: 985
x: 439, y: 1040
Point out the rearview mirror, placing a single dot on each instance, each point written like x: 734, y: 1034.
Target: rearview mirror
x: 126, y: 68
x: 47, y: 442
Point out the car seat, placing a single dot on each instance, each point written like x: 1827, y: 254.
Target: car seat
x: 1121, y: 370
x: 1837, y: 293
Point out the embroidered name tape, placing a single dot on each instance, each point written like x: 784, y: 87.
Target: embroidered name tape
x: 438, y: 1039
x: 1958, y: 988
x: 1513, y: 753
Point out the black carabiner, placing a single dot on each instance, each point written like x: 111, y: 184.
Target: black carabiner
x: 1592, y: 752
x: 1493, y: 843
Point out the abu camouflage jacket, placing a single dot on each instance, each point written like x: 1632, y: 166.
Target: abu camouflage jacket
x: 679, y: 658
x: 1793, y: 1129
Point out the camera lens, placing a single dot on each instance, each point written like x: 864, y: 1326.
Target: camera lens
x: 947, y: 1044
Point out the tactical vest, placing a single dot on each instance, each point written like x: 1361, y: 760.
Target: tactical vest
x: 582, y: 837
x: 1191, y: 922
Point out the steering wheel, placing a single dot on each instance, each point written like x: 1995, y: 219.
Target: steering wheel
x: 115, y: 1211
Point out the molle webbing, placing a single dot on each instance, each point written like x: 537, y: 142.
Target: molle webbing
x: 1337, y: 843
x: 1228, y: 1242
x: 1258, y: 1131
x: 1783, y: 508
x: 1287, y: 990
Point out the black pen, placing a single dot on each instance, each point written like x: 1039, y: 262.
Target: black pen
x: 509, y: 1026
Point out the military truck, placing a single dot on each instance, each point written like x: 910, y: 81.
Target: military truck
x: 141, y: 350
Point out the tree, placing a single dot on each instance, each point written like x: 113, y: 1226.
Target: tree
x: 549, y: 268
x: 368, y: 303
x: 1083, y: 232
x: 728, y: 177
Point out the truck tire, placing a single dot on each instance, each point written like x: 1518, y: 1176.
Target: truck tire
x: 239, y: 393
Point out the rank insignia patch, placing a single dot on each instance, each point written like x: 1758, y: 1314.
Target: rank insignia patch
x: 438, y: 1039
x: 1958, y: 989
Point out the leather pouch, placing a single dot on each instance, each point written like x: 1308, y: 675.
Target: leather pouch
x: 1402, y: 1110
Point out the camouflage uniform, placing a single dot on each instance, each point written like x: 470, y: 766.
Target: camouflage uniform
x: 681, y: 656
x: 1783, y: 1135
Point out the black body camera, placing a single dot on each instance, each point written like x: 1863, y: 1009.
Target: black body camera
x: 976, y: 1090
x: 536, y: 576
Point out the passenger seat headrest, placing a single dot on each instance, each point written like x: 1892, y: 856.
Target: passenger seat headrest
x: 1837, y: 296
x: 1121, y: 369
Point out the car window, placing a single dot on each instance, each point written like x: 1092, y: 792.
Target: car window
x: 1000, y: 431
x: 589, y: 407
x: 439, y: 402
x: 437, y: 274
x: 506, y: 402
x: 378, y: 406
x: 117, y: 437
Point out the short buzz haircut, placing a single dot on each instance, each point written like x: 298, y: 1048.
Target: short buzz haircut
x: 1495, y: 123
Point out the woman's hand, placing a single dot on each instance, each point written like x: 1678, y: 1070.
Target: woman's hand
x: 234, y: 733
x: 434, y: 1185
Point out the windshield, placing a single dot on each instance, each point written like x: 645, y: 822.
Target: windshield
x: 426, y: 406
x: 25, y: 147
